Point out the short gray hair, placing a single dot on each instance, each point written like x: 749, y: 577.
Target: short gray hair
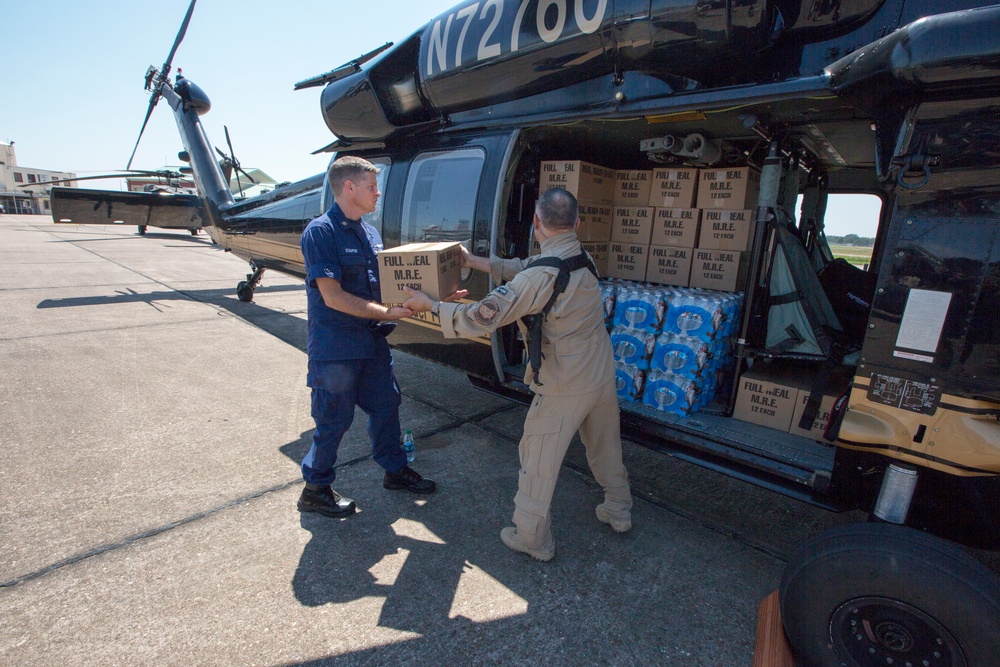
x: 557, y: 209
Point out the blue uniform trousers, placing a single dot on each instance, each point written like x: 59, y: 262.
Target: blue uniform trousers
x: 339, y: 386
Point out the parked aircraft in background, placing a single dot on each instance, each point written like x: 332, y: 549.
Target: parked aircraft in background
x: 114, y: 205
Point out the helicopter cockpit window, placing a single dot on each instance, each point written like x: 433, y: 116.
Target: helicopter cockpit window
x: 439, y: 203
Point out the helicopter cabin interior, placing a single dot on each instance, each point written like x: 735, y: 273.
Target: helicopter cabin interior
x: 827, y: 155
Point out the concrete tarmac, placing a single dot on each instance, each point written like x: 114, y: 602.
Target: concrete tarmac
x: 151, y: 427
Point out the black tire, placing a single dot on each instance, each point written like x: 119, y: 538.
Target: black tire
x: 243, y: 293
x: 142, y: 230
x: 881, y: 594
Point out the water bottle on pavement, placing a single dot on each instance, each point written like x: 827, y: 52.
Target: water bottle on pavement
x: 408, y: 446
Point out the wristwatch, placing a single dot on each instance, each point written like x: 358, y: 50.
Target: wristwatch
x: 435, y: 307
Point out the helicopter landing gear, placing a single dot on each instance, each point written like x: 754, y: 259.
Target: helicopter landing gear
x: 881, y: 594
x: 244, y: 291
x: 194, y: 231
x: 142, y: 230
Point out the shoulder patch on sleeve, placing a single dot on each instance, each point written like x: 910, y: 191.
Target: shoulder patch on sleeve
x: 493, y: 307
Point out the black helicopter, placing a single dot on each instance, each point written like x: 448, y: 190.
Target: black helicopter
x: 897, y: 100
x: 168, y: 182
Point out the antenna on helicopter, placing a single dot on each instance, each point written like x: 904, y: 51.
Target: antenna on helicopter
x: 156, y: 79
x: 229, y: 163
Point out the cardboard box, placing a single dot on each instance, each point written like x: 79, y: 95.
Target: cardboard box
x: 723, y: 229
x: 632, y: 224
x: 722, y: 270
x: 668, y: 265
x: 673, y: 188
x: 675, y: 227
x: 583, y: 180
x: 628, y: 261
x: 632, y: 186
x: 599, y: 252
x: 766, y: 397
x: 734, y: 188
x: 432, y: 268
x: 595, y: 222
x: 776, y: 395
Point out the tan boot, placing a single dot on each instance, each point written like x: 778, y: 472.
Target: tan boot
x: 618, y: 522
x: 510, y: 538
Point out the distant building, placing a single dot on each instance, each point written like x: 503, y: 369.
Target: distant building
x: 24, y: 189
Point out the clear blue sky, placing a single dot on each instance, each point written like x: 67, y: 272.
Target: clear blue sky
x: 71, y: 79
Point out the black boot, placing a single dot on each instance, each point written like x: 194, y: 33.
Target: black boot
x: 324, y: 500
x: 408, y: 479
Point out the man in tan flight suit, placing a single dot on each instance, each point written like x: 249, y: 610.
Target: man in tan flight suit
x: 575, y: 389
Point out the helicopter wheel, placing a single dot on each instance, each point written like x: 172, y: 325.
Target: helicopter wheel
x: 880, y: 594
x: 243, y: 292
x: 194, y: 231
x: 142, y: 230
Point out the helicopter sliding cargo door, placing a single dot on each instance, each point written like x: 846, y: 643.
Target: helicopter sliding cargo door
x: 439, y: 194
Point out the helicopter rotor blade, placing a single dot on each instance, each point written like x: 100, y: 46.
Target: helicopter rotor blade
x: 149, y: 112
x: 161, y: 78
x: 236, y: 163
x: 177, y: 41
x: 229, y: 143
x: 248, y: 176
x: 122, y: 174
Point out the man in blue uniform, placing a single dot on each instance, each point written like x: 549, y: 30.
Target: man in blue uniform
x: 350, y: 362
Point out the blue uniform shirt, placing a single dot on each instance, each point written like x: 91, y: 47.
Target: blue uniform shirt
x: 335, y: 247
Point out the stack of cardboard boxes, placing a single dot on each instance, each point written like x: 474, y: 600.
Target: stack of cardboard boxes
x: 727, y: 200
x: 776, y: 395
x: 674, y: 232
x: 670, y: 226
x: 593, y: 187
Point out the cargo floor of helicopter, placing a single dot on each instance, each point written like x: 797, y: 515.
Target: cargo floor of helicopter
x: 793, y: 465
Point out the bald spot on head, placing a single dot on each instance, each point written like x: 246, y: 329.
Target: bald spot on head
x: 557, y: 210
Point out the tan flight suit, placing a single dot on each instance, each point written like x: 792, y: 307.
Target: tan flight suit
x: 576, y: 388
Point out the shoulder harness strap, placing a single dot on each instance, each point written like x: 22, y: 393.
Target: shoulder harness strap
x: 533, y: 323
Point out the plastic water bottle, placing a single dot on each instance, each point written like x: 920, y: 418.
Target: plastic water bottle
x: 408, y: 446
